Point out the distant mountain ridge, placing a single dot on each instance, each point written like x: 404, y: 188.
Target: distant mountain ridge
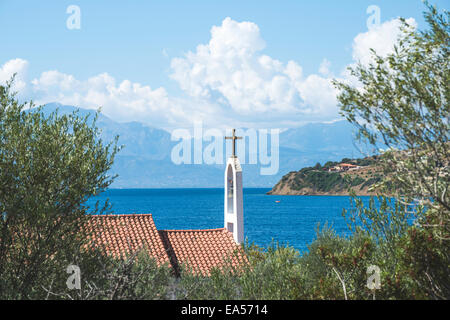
x: 145, y: 161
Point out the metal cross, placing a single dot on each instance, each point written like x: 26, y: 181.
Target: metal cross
x: 234, y: 138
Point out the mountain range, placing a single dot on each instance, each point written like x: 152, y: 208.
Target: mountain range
x: 145, y: 161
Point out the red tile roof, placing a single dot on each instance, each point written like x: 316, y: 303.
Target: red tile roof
x: 347, y: 165
x: 126, y: 234
x: 201, y: 250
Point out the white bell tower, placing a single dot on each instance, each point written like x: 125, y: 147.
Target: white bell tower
x: 234, y: 211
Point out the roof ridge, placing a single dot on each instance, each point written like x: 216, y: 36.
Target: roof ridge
x: 193, y: 230
x: 121, y: 215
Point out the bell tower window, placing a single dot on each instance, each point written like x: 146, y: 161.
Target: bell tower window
x: 230, y: 191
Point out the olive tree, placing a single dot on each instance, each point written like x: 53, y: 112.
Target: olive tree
x: 402, y: 100
x: 49, y: 167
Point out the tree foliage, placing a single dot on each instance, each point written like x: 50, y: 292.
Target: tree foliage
x: 404, y: 99
x: 49, y: 167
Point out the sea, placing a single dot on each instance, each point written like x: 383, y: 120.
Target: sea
x: 268, y: 219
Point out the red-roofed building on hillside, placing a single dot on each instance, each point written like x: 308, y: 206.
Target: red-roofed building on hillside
x: 200, y: 250
x: 348, y: 165
x: 343, y: 167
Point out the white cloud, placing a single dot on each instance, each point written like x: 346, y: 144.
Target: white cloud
x: 324, y: 68
x: 320, y: 94
x: 228, y: 81
x: 232, y: 70
x: 18, y: 67
x: 380, y: 38
x: 123, y: 101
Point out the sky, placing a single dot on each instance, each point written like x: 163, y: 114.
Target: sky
x: 261, y: 64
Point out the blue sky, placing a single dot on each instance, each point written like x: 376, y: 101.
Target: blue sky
x: 137, y: 41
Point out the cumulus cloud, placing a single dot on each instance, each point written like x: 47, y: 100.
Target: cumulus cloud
x: 380, y: 38
x: 233, y: 71
x: 228, y: 81
x: 18, y: 67
x: 124, y: 101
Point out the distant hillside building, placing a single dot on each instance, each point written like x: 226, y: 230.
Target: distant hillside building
x: 343, y: 167
x: 347, y: 166
x: 202, y: 250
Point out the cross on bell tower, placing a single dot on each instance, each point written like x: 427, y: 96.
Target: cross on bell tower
x: 233, y: 204
x: 234, y: 138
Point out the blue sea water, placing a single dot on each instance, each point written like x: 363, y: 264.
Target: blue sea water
x: 293, y: 220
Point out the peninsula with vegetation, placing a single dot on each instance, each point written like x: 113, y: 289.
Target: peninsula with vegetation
x: 333, y: 178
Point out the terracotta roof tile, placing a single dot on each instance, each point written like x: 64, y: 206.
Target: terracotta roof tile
x: 126, y: 234
x: 201, y: 250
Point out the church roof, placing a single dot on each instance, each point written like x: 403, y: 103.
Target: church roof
x: 126, y: 234
x: 201, y: 250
